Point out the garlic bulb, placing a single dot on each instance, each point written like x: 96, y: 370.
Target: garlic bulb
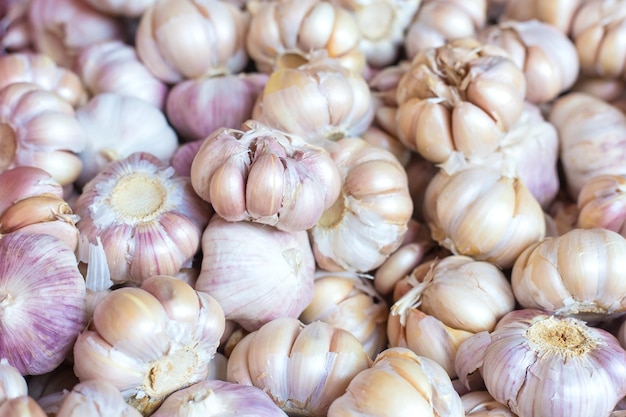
x: 122, y: 8
x: 602, y: 203
x: 300, y: 27
x: 263, y: 175
x: 219, y: 399
x: 42, y: 301
x: 383, y: 88
x: 303, y: 368
x: 542, y: 365
x: 576, y: 274
x: 198, y: 107
x: 319, y: 100
x: 545, y: 54
x: 39, y: 128
x: 139, y: 200
x: 482, y: 404
x: 257, y: 273
x: 150, y: 341
x: 426, y: 317
x: 460, y: 97
x: 117, y: 126
x: 185, y: 39
x: 349, y: 301
x: 114, y: 67
x: 94, y: 398
x: 12, y: 383
x: 378, y: 137
x: 15, y: 31
x: 483, y: 213
x: 41, y: 70
x: 23, y: 406
x: 557, y: 13
x: 183, y: 156
x: 399, y: 383
x: 370, y: 218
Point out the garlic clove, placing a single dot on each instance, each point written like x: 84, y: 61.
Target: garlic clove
x: 265, y: 186
x: 23, y: 406
x: 229, y: 179
x: 28, y: 211
x: 95, y: 398
x: 12, y: 383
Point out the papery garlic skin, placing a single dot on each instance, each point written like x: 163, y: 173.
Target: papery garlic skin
x: 576, y: 274
x: 370, y: 218
x: 399, y: 383
x: 12, y: 383
x: 303, y: 368
x: 263, y: 175
x: 256, y: 272
x: 150, y: 341
x: 602, y: 203
x: 178, y: 40
x: 42, y: 301
x: 139, y: 200
x: 95, y: 398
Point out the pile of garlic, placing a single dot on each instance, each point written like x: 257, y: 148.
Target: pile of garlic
x: 321, y: 208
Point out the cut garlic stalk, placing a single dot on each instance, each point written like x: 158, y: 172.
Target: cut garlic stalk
x: 602, y: 203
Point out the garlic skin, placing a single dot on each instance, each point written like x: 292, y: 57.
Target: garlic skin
x: 483, y: 213
x: 178, y: 40
x: 300, y: 27
x: 139, y: 200
x: 576, y: 274
x: 319, y: 100
x: 542, y: 365
x: 94, y: 398
x: 198, y: 107
x: 42, y: 301
x: 150, y: 341
x: 263, y: 175
x: 303, y: 368
x: 114, y: 67
x: 368, y: 221
x: 460, y: 97
x: 117, y: 126
x: 557, y: 13
x: 399, y: 383
x: 39, y: 129
x: 482, y: 404
x: 12, y: 383
x: 602, y: 203
x: 257, y: 273
x: 219, y: 399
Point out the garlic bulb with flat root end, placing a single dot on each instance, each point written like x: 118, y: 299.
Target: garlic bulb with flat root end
x: 602, y: 203
x: 427, y: 317
x: 219, y: 399
x: 349, y: 301
x: 460, y: 97
x: 42, y: 301
x: 263, y: 175
x: 117, y: 126
x: 179, y: 40
x: 256, y: 272
x: 303, y: 368
x: 399, y: 383
x: 579, y: 273
x: 301, y: 27
x: 483, y: 213
x: 150, y: 341
x: 368, y: 221
x: 12, y: 383
x: 319, y: 100
x: 39, y: 128
x: 541, y: 365
x: 94, y: 398
x: 139, y: 200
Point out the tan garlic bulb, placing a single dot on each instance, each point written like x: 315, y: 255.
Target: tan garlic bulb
x: 319, y: 100
x: 482, y: 404
x: 602, y: 203
x: 399, y: 383
x: 141, y: 201
x: 300, y: 27
x: 150, y: 341
x: 427, y: 317
x: 591, y: 134
x: 460, y: 97
x: 303, y: 368
x: 439, y: 21
x: 557, y: 13
x: 39, y: 128
x: 483, y: 213
x: 263, y: 175
x: 545, y: 54
x: 349, y: 301
x: 576, y: 274
x: 41, y: 70
x: 178, y: 40
x: 370, y: 218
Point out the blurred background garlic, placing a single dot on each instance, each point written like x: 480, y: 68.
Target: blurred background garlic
x: 256, y: 272
x: 23, y: 406
x: 303, y: 368
x: 121, y: 8
x: 141, y: 201
x: 399, y: 383
x: 179, y: 40
x: 602, y: 203
x: 14, y: 22
x: 60, y: 379
x: 558, y: 13
x: 150, y: 341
